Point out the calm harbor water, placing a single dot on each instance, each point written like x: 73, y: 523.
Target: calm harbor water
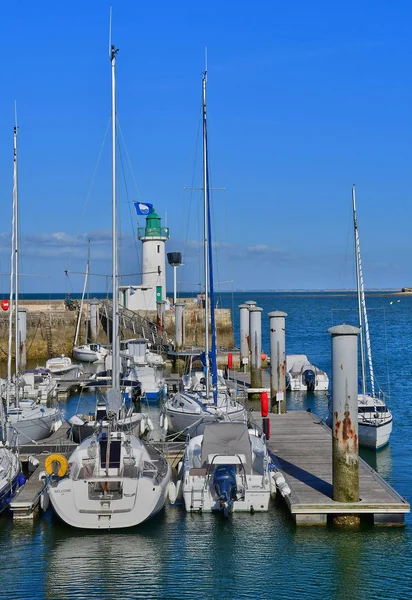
x: 176, y: 555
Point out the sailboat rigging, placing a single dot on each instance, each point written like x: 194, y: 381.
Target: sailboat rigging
x: 26, y: 420
x: 374, y: 417
x: 206, y: 398
x: 115, y: 479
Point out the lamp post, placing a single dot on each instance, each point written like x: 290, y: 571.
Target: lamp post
x: 175, y: 260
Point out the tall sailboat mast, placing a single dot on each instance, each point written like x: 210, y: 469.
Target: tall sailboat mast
x: 209, y: 293
x: 363, y: 316
x: 206, y: 232
x: 115, y: 300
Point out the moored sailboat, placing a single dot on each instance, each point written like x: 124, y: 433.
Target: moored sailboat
x: 26, y: 419
x: 374, y: 416
x: 113, y: 479
x: 189, y: 410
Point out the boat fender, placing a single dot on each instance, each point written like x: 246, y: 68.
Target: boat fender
x: 21, y: 479
x: 179, y: 467
x: 165, y: 423
x: 172, y: 493
x: 272, y: 486
x: 284, y: 489
x: 264, y: 404
x: 42, y: 475
x: 143, y: 425
x: 44, y: 501
x: 179, y: 490
x: 33, y: 463
x: 56, y: 464
x: 57, y: 424
x: 150, y: 425
x: 279, y: 478
x: 162, y: 418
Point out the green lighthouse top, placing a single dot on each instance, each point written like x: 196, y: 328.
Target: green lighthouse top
x: 153, y: 227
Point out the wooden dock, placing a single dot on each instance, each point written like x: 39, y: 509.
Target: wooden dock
x: 27, y: 500
x: 301, y: 447
x: 243, y: 379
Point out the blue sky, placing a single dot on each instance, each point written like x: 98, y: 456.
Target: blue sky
x: 304, y: 99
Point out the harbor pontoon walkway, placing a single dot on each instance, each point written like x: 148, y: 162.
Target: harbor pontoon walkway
x: 301, y: 447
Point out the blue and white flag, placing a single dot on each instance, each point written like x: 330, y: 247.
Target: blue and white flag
x: 143, y: 208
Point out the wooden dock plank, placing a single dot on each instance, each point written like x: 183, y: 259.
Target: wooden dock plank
x: 301, y: 447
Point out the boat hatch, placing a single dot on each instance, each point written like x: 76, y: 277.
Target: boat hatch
x: 114, y: 454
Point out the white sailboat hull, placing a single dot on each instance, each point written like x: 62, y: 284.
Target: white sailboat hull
x: 33, y: 424
x: 140, y: 501
x: 374, y: 435
x: 86, y: 354
x: 193, y: 422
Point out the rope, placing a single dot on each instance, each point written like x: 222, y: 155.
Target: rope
x: 90, y: 189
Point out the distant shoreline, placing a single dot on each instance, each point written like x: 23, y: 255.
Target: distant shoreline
x: 47, y: 298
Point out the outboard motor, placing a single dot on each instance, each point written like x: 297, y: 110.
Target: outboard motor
x: 224, y: 479
x: 309, y: 378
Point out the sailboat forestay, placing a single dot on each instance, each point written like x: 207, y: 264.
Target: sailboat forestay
x: 209, y: 399
x: 113, y: 479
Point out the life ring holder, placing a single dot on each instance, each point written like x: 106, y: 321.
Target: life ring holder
x: 50, y: 465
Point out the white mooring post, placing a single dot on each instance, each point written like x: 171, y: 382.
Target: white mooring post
x: 244, y: 335
x: 179, y: 326
x: 255, y: 340
x: 345, y: 444
x: 277, y: 361
x: 94, y: 320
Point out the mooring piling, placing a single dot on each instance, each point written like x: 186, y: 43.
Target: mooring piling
x: 179, y: 326
x: 255, y: 340
x: 345, y: 444
x: 94, y: 320
x: 244, y: 336
x: 277, y: 361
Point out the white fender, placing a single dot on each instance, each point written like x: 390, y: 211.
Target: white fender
x: 165, y: 423
x: 179, y: 467
x: 150, y: 425
x: 179, y: 489
x: 44, y: 501
x: 172, y: 493
x: 162, y: 418
x: 278, y: 477
x: 142, y: 426
x: 272, y: 486
x: 284, y: 489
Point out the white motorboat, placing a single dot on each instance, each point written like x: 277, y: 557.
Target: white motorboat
x: 90, y: 353
x: 302, y: 376
x: 186, y: 411
x: 226, y: 469
x: 145, y: 367
x: 62, y: 368
x: 113, y: 480
x: 37, y: 384
x: 11, y: 476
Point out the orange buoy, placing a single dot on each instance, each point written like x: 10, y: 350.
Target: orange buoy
x: 5, y: 305
x: 230, y: 361
x: 263, y: 356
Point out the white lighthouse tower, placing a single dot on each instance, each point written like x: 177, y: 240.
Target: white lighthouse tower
x: 153, y: 287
